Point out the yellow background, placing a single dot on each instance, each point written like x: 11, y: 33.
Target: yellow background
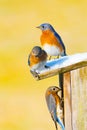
x: 22, y: 99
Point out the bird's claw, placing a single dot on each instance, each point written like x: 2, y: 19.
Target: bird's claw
x: 47, y: 67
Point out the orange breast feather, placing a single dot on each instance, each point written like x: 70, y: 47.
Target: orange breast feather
x: 57, y: 98
x: 48, y: 37
x: 35, y: 60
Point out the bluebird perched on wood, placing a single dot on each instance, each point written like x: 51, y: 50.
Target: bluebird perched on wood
x: 54, y: 101
x: 51, y: 41
x: 37, y: 59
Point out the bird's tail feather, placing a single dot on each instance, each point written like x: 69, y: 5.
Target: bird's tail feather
x: 61, y: 124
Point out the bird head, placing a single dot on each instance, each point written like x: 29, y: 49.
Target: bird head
x: 36, y: 51
x: 54, y: 89
x: 45, y: 26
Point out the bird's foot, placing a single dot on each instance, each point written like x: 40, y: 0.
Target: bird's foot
x: 47, y: 67
x: 62, y: 103
x: 58, y: 57
x: 50, y: 57
x: 62, y: 99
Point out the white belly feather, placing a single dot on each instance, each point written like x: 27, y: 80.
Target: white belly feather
x: 51, y: 50
x: 39, y: 66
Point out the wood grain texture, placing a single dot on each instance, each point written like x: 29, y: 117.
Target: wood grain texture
x: 67, y: 101
x: 79, y: 98
x: 75, y: 99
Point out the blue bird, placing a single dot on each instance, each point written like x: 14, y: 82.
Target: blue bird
x: 37, y: 59
x: 53, y: 101
x: 51, y: 41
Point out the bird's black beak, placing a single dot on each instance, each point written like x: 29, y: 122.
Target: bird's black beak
x: 59, y: 89
x: 38, y: 27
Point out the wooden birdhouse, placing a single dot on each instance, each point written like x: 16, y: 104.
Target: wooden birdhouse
x: 72, y: 71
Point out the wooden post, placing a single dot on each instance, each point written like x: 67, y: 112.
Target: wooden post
x: 62, y: 97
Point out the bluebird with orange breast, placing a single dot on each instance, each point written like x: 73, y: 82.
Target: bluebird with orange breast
x: 37, y: 59
x: 53, y: 101
x: 51, y: 41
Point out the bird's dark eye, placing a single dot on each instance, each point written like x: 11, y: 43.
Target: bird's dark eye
x: 42, y: 26
x: 54, y: 89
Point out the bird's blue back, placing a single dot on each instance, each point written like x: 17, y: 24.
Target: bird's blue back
x: 59, y: 39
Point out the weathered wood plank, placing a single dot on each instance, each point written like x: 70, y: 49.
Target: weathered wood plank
x: 67, y: 101
x: 75, y: 99
x: 79, y: 98
x: 62, y: 65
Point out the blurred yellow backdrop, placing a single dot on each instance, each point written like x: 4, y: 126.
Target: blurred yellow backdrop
x: 22, y: 100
